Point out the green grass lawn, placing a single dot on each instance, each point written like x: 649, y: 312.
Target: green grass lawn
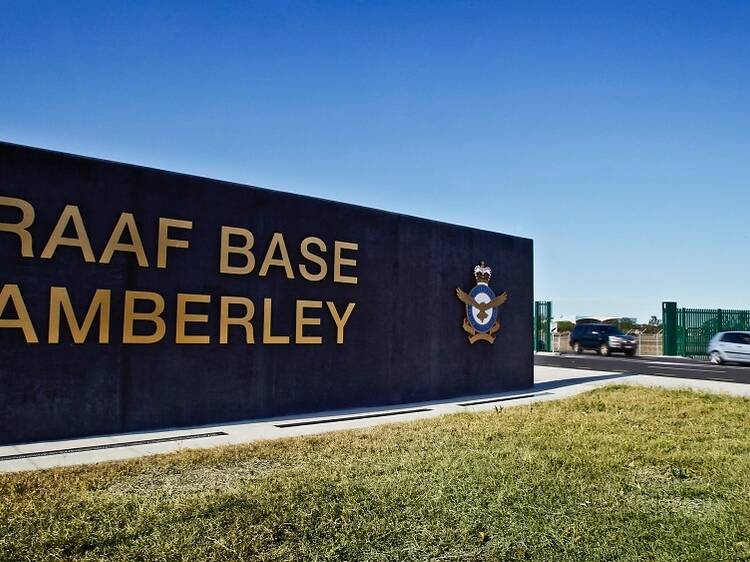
x: 620, y: 473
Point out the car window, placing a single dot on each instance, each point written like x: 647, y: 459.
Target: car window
x: 736, y: 337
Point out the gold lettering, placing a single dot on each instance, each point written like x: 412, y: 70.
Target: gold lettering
x: 20, y: 228
x: 307, y: 254
x: 183, y: 318
x: 245, y: 321
x: 100, y: 304
x: 267, y: 337
x: 303, y: 321
x: 23, y: 322
x: 81, y: 239
x: 166, y: 242
x: 114, y: 244
x: 226, y: 249
x: 340, y: 320
x: 277, y: 241
x: 130, y: 316
x: 339, y: 261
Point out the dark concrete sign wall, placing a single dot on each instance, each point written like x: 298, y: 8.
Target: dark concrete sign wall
x: 135, y: 298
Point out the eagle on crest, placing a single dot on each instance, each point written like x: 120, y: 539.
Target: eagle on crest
x: 483, y: 307
x: 481, y: 322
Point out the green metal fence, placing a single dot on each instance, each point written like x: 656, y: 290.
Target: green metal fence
x: 542, y: 326
x: 687, y: 331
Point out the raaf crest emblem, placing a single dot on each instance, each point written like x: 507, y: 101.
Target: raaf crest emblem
x: 481, y: 321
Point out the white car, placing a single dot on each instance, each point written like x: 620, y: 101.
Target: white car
x: 729, y: 346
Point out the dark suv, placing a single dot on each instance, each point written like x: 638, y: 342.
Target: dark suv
x: 604, y: 338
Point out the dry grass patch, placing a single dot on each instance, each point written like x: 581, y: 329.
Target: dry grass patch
x: 620, y: 473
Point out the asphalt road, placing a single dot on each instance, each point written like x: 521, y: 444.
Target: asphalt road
x: 665, y: 367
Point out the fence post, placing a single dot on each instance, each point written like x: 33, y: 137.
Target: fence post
x: 543, y: 326
x: 669, y: 322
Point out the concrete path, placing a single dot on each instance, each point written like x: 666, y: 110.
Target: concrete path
x: 551, y: 383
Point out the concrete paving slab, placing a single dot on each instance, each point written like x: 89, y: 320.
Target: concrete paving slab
x: 17, y: 466
x: 86, y: 457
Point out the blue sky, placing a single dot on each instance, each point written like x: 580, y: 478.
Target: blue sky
x: 615, y: 134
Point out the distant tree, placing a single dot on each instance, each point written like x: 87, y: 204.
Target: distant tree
x: 626, y: 324
x: 565, y: 326
x: 652, y: 327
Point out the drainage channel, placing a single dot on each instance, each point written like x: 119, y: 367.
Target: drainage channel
x: 349, y: 418
x: 111, y: 446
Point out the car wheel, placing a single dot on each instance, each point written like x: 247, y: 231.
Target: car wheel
x: 604, y: 349
x: 715, y: 358
x: 577, y: 348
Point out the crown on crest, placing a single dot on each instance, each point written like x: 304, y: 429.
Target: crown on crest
x: 482, y: 272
